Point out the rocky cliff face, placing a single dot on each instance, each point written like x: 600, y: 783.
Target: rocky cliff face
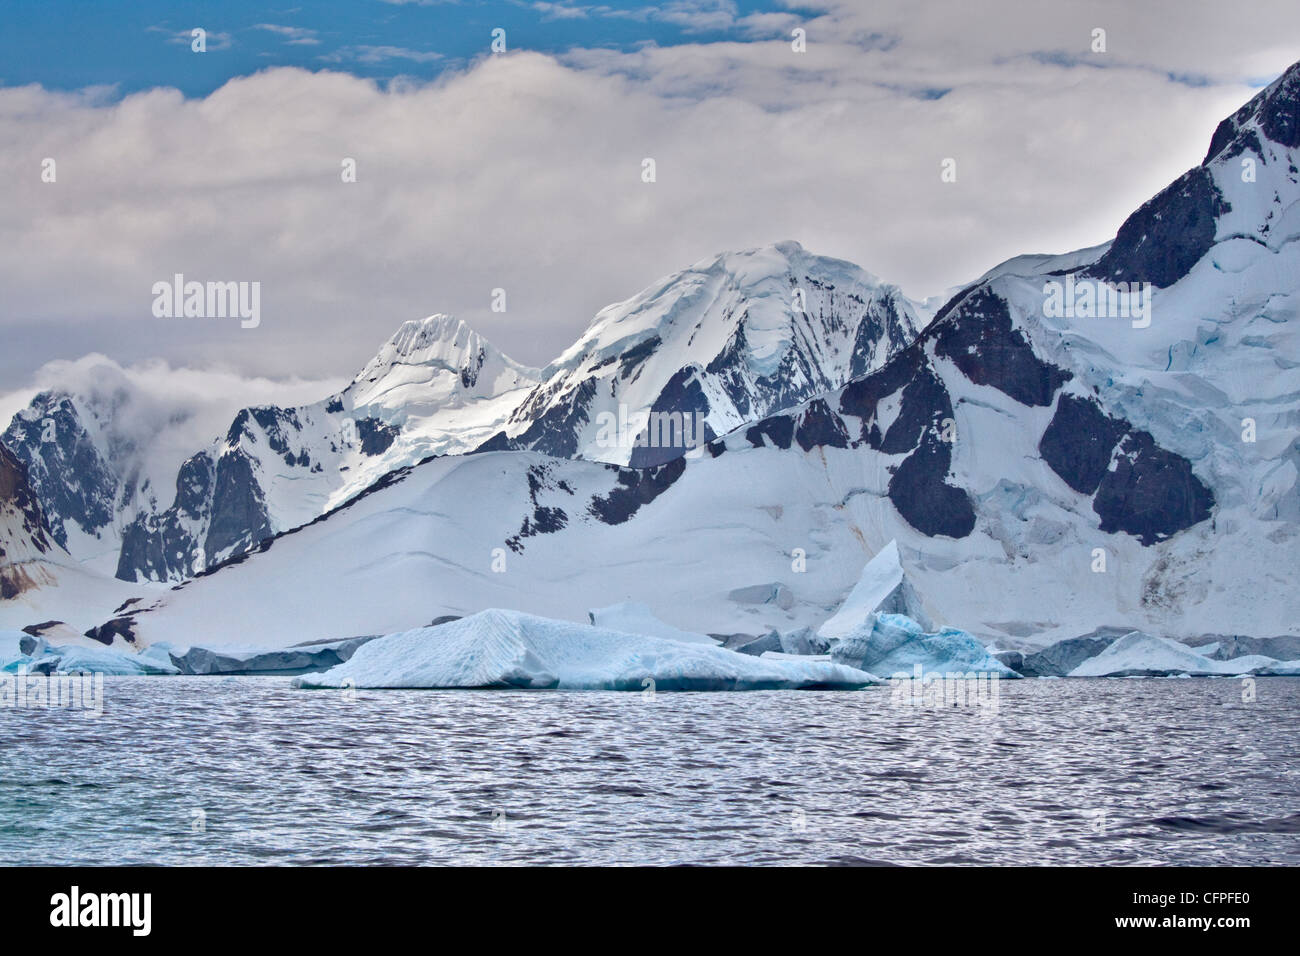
x: 24, y: 537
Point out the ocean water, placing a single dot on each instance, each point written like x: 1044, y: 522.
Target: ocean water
x: 253, y: 771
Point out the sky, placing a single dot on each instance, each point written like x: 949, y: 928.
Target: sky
x: 520, y: 169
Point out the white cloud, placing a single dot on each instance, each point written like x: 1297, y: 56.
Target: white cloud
x: 213, y: 40
x: 379, y: 54
x: 164, y: 414
x: 523, y: 172
x: 294, y: 36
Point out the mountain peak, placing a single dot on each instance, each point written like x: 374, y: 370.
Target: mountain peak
x: 1273, y: 111
x: 439, y: 346
x: 435, y: 335
x: 735, y: 336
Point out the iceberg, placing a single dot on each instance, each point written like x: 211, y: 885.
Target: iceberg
x: 12, y: 655
x: 882, y: 588
x: 889, y: 644
x: 298, y: 659
x: 631, y: 617
x: 755, y: 645
x: 72, y: 659
x: 1057, y: 660
x: 1142, y: 655
x: 510, y: 649
x: 1280, y: 669
x: 803, y: 642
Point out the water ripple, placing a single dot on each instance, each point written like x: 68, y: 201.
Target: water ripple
x: 249, y: 770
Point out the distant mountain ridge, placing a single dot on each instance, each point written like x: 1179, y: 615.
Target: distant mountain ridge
x: 784, y: 324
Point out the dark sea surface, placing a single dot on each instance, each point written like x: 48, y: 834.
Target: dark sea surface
x: 253, y: 771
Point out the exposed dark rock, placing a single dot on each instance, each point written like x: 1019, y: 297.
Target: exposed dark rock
x: 1079, y: 441
x: 376, y: 436
x: 679, y: 406
x: 1167, y: 236
x: 631, y: 360
x: 979, y: 338
x: 636, y: 487
x: 779, y: 429
x: 926, y: 501
x: 238, y: 517
x: 63, y: 467
x: 554, y: 431
x: 818, y: 425
x: 1152, y: 493
x: 1278, y: 113
x: 122, y: 627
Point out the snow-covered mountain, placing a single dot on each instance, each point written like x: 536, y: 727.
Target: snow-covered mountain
x: 25, y: 541
x: 435, y: 387
x: 734, y: 338
x: 81, y: 469
x: 1042, y: 471
x: 41, y: 585
x: 725, y: 342
x: 1050, y: 455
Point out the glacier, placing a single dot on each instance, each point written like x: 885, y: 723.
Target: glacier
x: 509, y: 649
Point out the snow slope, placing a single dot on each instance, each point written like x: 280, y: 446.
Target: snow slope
x: 631, y: 617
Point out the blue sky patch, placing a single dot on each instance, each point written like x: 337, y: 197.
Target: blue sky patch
x: 72, y: 44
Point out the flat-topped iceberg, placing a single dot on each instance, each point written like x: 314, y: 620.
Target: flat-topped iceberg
x: 1143, y: 655
x: 505, y: 649
x: 233, y: 659
x: 73, y: 659
x: 888, y: 644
